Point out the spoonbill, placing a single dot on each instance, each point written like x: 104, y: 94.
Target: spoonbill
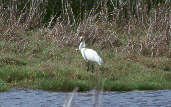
x: 89, y: 55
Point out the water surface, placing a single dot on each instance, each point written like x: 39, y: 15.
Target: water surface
x: 39, y: 98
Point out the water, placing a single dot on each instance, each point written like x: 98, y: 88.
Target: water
x: 39, y: 98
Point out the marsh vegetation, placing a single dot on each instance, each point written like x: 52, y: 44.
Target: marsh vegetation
x: 38, y: 51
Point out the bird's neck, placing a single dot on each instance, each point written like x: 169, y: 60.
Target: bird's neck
x: 82, y: 45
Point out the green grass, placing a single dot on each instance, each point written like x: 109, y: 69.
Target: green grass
x: 63, y: 70
x: 3, y: 86
x: 39, y: 64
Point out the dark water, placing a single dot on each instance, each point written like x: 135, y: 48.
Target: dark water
x: 39, y: 98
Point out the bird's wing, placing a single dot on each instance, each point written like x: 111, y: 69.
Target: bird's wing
x: 92, y: 55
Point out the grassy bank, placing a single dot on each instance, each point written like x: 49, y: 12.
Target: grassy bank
x: 41, y: 65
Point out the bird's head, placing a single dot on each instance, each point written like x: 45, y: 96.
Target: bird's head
x: 82, y: 43
x: 81, y: 38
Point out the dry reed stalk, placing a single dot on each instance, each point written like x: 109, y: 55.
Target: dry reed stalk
x: 20, y: 20
x: 101, y: 27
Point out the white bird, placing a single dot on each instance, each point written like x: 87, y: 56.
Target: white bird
x: 89, y: 54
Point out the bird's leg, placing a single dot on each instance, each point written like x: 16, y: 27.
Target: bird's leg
x: 88, y: 66
x: 92, y: 67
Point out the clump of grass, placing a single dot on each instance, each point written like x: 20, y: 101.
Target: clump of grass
x: 11, y: 61
x: 3, y: 86
x: 65, y: 85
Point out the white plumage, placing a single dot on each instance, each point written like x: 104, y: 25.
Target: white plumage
x: 89, y: 54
